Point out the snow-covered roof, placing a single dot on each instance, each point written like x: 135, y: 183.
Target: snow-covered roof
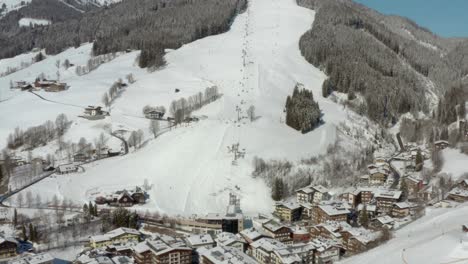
x: 227, y: 255
x: 198, y: 240
x: 227, y: 239
x: 251, y: 233
x: 307, y: 190
x: 459, y: 192
x: 441, y: 142
x: 385, y: 219
x: 99, y: 238
x: 141, y: 247
x: 292, y: 205
x: 404, y: 205
x: 39, y: 258
x: 122, y: 260
x: 320, y: 188
x: 121, y: 231
x: 268, y: 244
x: 272, y: 226
x: 334, y: 209
x: 387, y: 194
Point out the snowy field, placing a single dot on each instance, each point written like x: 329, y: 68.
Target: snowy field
x: 189, y: 167
x: 13, y: 4
x: 455, y: 163
x: 434, y: 238
x: 26, y: 22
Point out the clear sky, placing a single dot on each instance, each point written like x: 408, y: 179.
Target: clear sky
x: 447, y: 18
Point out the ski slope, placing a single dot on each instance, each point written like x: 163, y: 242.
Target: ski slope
x: 434, y: 238
x: 257, y: 62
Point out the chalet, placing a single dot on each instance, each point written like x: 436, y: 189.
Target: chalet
x: 190, y: 119
x: 427, y: 193
x: 305, y: 195
x: 55, y: 87
x: 463, y: 184
x: 330, y: 212
x: 278, y: 232
x: 26, y: 87
x: 441, y: 144
x: 300, y: 234
x: 326, y: 251
x: 364, y: 179
x: 119, y: 235
x: 312, y: 194
x: 80, y: 157
x: 350, y: 196
x: 8, y: 247
x: 320, y: 194
x: 154, y: 114
x: 414, y: 185
x: 377, y: 176
x: 160, y: 252
x: 288, y: 211
x: 124, y: 199
x: 67, y: 168
x: 139, y: 197
x: 19, y: 84
x: 94, y: 111
x: 329, y: 230
x: 459, y: 195
x: 198, y: 241
x: 403, y: 209
x: 365, y: 195
x: 231, y: 240
x: 357, y: 240
x: 251, y: 235
x: 383, y: 221
x: 385, y: 200
x: 43, y: 83
x: 307, y: 209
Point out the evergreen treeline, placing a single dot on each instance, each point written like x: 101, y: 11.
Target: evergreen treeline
x: 302, y: 112
x: 147, y: 25
x: 388, y: 60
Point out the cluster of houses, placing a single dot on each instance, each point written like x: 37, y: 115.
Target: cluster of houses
x: 44, y: 84
x: 123, y: 198
x: 249, y: 246
x: 379, y: 174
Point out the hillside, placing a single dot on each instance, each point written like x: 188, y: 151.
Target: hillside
x: 190, y: 167
x: 435, y: 238
x: 398, y: 66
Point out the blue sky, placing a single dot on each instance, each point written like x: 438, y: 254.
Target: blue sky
x: 447, y: 18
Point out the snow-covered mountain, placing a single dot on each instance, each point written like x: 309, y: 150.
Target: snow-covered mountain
x: 256, y: 63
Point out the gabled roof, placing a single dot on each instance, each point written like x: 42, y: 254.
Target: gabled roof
x: 251, y: 233
x: 334, y: 209
x: 292, y: 205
